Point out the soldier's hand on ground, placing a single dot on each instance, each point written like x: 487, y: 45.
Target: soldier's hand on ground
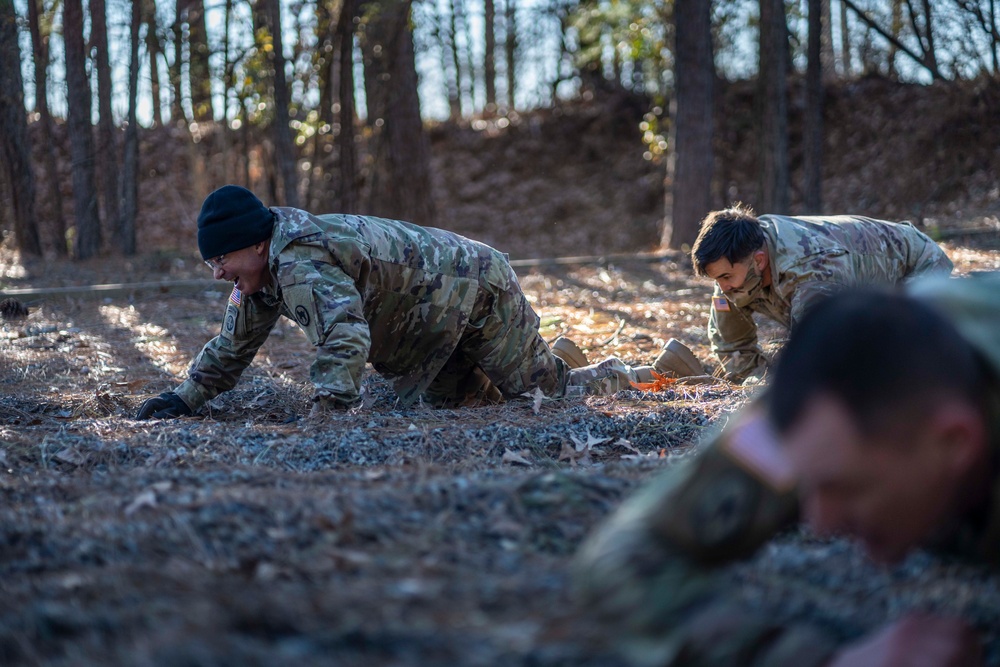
x: 167, y: 405
x: 915, y: 641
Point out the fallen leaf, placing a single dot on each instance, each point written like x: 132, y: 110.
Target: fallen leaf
x: 71, y: 456
x: 538, y: 397
x: 145, y: 499
x: 514, y: 457
x: 590, y: 442
x: 622, y: 442
x: 262, y: 400
x: 574, y: 455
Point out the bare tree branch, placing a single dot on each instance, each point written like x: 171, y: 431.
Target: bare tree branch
x: 930, y: 67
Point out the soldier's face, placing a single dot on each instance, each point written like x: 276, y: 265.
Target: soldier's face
x: 246, y: 268
x: 732, y: 277
x: 891, y: 491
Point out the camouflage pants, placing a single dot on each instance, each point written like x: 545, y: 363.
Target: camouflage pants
x: 501, y: 354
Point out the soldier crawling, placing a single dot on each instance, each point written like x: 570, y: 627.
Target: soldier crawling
x: 441, y: 315
x: 902, y: 458
x: 781, y: 266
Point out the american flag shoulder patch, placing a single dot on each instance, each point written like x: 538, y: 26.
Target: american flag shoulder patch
x: 236, y: 297
x: 720, y: 303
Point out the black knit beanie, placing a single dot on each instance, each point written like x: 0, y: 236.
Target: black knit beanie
x: 232, y: 218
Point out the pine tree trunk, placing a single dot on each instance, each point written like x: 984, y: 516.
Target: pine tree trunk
x: 401, y: 185
x: 177, y: 67
x: 489, y: 57
x: 773, y: 108
x: 130, y: 168
x: 155, y: 49
x: 511, y: 48
x: 199, y: 73
x: 87, y: 243
x: 456, y: 61
x: 281, y: 133
x: 107, y: 146
x: 845, y: 43
x: 444, y: 36
x: 828, y: 60
x: 40, y: 48
x: 348, y: 149
x: 14, y: 133
x: 813, y: 130
x: 694, y: 74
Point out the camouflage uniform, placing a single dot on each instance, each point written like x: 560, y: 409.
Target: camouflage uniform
x: 439, y: 314
x: 811, y: 257
x: 655, y: 567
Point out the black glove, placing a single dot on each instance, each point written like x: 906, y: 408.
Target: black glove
x: 165, y: 406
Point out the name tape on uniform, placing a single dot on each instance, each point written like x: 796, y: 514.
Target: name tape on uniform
x: 754, y: 447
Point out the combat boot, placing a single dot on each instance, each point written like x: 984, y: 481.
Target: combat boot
x: 601, y: 379
x: 570, y: 352
x: 677, y: 361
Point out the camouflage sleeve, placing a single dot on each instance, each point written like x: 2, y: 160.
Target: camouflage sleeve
x: 808, y: 293
x: 926, y: 257
x: 653, y: 572
x: 732, y: 334
x: 326, y: 304
x: 219, y: 365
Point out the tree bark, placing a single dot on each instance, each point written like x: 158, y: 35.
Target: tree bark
x: 401, y: 185
x: 694, y: 76
x: 348, y: 149
x: 155, y: 50
x: 199, y: 73
x: 87, y: 242
x: 489, y: 56
x: 829, y: 62
x: 444, y: 34
x: 456, y: 61
x: 107, y: 146
x: 281, y: 133
x: 14, y: 133
x: 813, y: 130
x: 845, y: 42
x: 510, y: 23
x: 773, y: 108
x: 40, y: 49
x: 130, y: 168
x: 177, y: 67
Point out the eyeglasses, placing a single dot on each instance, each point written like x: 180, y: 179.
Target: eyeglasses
x: 217, y: 262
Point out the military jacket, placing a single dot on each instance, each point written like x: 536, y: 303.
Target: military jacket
x: 362, y: 289
x: 812, y: 257
x: 654, y: 569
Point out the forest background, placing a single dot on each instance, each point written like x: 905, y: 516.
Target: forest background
x: 118, y: 117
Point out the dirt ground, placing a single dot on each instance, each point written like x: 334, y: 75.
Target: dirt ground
x: 255, y: 535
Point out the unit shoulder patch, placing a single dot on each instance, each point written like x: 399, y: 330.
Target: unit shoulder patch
x: 755, y: 448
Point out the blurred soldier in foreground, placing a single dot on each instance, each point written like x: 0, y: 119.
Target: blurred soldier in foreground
x: 781, y: 266
x: 882, y: 422
x: 441, y: 315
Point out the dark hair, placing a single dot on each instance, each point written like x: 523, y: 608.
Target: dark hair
x: 883, y: 356
x: 733, y: 233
